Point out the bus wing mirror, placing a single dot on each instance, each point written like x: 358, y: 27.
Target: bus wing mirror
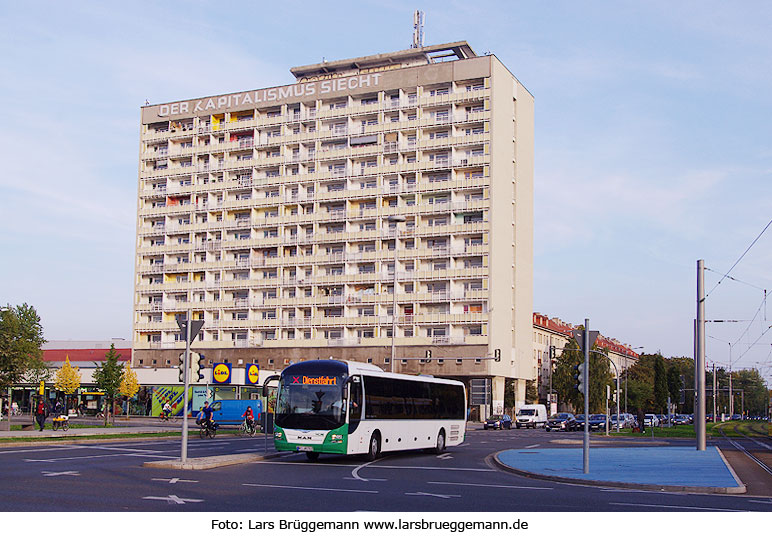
x: 267, y: 382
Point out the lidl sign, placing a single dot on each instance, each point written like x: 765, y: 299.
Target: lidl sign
x: 221, y: 373
x: 253, y: 373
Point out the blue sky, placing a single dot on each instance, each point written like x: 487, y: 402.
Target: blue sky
x: 652, y: 145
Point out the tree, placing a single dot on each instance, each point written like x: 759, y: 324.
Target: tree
x: 660, y: 383
x: 509, y: 394
x: 563, y: 381
x: 531, y: 393
x: 37, y: 372
x: 107, y: 377
x: 21, y: 336
x: 674, y: 383
x: 67, y: 380
x: 129, y: 385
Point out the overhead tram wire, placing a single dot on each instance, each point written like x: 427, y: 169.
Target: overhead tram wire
x: 763, y: 303
x: 754, y: 343
x: 735, y: 279
x: 741, y: 258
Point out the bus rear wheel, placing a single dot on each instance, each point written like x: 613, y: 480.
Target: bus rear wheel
x: 440, y: 446
x: 375, y: 447
x: 312, y: 456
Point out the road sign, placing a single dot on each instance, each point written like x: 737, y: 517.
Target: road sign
x: 579, y: 337
x: 195, y: 327
x: 480, y: 391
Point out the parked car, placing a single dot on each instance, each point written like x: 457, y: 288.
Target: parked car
x: 579, y: 422
x: 650, y: 420
x: 562, y: 422
x: 597, y: 422
x: 531, y: 416
x: 680, y: 419
x: 498, y: 421
x: 626, y: 420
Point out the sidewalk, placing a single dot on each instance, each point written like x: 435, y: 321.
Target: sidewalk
x: 671, y: 468
x: 48, y: 433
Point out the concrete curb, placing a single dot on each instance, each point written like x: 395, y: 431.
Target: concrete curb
x: 209, y: 462
x: 649, y: 487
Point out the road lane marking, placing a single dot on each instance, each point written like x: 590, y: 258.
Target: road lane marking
x: 174, y: 499
x: 355, y: 472
x: 26, y: 451
x: 312, y: 488
x: 489, y: 485
x: 60, y: 473
x: 320, y: 464
x: 439, y: 496
x: 70, y: 458
x: 175, y: 480
x: 708, y: 508
x: 445, y: 456
x: 122, y: 449
x: 532, y: 445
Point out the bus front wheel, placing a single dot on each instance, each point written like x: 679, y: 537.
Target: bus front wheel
x: 440, y: 447
x: 375, y: 447
x: 312, y: 456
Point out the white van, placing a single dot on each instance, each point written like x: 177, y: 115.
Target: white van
x: 531, y: 416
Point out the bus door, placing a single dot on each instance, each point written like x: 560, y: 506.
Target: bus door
x: 354, y: 390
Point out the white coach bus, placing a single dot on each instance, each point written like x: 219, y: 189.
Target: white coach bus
x: 343, y: 407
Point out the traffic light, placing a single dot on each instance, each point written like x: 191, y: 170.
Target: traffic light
x: 200, y: 367
x: 182, y: 367
x: 428, y: 353
x: 579, y: 376
x: 497, y: 355
x: 552, y: 352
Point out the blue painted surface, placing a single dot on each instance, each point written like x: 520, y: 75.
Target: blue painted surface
x: 666, y: 466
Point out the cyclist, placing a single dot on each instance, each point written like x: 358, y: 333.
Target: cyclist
x: 167, y: 410
x: 249, y: 417
x: 208, y: 416
x: 200, y: 416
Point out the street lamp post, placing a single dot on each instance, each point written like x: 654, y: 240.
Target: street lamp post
x: 396, y: 220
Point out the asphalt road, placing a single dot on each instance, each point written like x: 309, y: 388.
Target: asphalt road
x: 110, y: 477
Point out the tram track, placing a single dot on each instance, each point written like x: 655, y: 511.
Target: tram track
x: 766, y: 446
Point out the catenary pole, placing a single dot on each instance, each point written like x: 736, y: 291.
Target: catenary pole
x: 699, y: 412
x: 186, y: 363
x: 714, y: 393
x: 586, y: 390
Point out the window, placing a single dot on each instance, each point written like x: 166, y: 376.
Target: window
x: 391, y: 399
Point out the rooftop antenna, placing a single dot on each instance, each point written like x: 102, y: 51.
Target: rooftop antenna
x: 418, y: 30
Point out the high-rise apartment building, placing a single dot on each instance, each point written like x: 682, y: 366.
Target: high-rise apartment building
x: 281, y: 216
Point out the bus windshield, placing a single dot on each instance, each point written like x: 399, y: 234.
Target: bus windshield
x: 311, y: 398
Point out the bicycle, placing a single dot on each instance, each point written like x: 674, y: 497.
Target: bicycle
x: 168, y: 417
x: 208, y: 429
x: 61, y: 421
x: 247, y: 429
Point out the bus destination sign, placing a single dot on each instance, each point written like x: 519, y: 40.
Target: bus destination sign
x: 322, y: 380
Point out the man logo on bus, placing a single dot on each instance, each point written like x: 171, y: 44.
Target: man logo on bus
x: 253, y: 373
x: 221, y: 373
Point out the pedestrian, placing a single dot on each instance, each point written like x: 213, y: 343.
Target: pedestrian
x: 41, y: 412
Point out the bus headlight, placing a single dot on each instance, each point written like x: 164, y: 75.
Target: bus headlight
x: 278, y: 435
x: 336, y: 438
